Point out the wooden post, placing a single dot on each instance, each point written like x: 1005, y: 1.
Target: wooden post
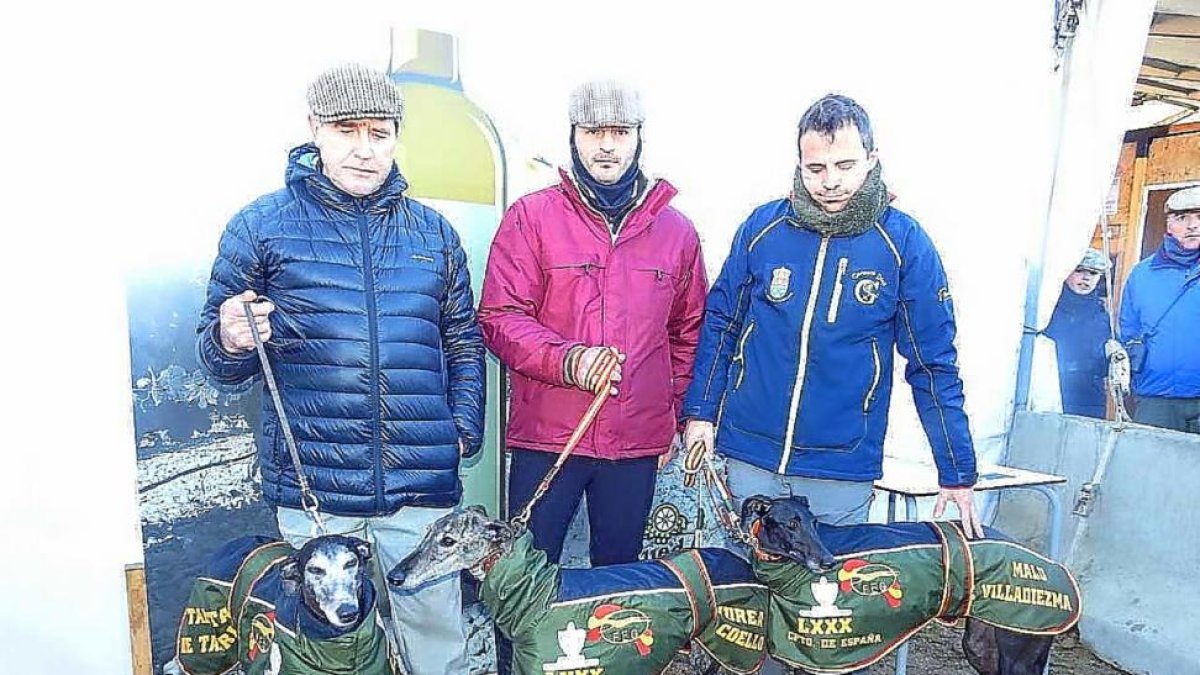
x: 1132, y: 234
x: 139, y: 619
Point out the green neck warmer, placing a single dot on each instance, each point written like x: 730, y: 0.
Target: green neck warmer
x: 859, y: 215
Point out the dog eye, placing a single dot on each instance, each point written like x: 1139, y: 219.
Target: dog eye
x: 351, y: 565
x: 315, y: 571
x: 447, y: 541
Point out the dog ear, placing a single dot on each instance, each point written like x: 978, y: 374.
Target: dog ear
x: 363, y: 550
x: 755, y: 507
x: 290, y: 574
x: 498, y: 531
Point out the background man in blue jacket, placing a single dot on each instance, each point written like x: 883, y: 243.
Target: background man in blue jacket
x: 366, y: 301
x: 1161, y: 309
x: 793, y: 372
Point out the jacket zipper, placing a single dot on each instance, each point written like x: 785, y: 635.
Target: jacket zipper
x: 836, y: 301
x: 587, y: 267
x: 802, y: 361
x: 875, y: 378
x: 373, y: 331
x: 613, y: 234
x: 740, y: 357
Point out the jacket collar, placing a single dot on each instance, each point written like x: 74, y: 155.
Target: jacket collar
x: 304, y: 175
x: 656, y: 198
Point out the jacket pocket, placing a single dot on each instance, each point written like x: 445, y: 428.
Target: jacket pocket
x: 571, y: 290
x: 869, y: 399
x: 739, y: 357
x: 835, y: 302
x: 653, y: 294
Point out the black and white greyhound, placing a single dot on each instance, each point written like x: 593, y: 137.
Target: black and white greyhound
x: 327, y: 584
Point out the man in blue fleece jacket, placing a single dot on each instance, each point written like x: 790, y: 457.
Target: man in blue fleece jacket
x: 793, y: 374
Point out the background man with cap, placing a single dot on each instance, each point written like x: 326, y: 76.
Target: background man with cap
x: 1160, y: 315
x: 1080, y: 329
x: 599, y: 260
x: 793, y: 372
x: 364, y: 298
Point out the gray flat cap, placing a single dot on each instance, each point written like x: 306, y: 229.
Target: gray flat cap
x: 354, y: 91
x: 1187, y: 199
x: 606, y: 103
x: 1095, y: 261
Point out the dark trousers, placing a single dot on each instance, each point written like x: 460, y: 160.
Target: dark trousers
x: 619, y: 496
x: 1180, y: 414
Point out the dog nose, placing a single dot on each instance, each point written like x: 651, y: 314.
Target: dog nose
x: 347, y: 613
x: 396, y: 577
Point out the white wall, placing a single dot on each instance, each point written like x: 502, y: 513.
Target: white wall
x: 147, y: 126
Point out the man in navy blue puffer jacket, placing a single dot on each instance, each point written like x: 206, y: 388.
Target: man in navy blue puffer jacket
x: 365, y: 300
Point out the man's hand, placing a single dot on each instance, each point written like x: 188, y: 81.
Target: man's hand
x: 586, y: 366
x: 665, y: 458
x: 699, y: 431
x: 964, y: 499
x: 235, y: 327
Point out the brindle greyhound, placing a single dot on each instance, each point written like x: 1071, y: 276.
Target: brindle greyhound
x: 637, y: 616
x: 469, y: 540
x: 787, y: 528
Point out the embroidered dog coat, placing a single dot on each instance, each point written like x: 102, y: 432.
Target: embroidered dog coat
x: 238, y: 613
x: 890, y: 581
x: 626, y: 619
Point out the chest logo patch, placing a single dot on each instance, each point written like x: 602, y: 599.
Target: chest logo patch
x: 781, y: 281
x: 867, y: 284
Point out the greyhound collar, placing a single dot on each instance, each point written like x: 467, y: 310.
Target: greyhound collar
x: 755, y: 528
x: 485, y: 566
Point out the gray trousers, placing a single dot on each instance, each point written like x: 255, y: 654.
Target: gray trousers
x: 1180, y: 414
x: 426, y: 624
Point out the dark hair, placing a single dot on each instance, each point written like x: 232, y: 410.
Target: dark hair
x: 832, y: 112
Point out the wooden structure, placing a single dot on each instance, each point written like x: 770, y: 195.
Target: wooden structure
x: 139, y: 619
x: 1154, y: 163
x: 1158, y: 160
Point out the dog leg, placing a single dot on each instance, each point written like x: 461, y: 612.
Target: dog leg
x: 996, y: 651
x: 979, y: 645
x: 1022, y: 654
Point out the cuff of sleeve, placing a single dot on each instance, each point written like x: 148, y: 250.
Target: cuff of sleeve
x: 958, y: 483
x: 471, y: 447
x: 559, y: 354
x: 699, y: 414
x: 213, y: 355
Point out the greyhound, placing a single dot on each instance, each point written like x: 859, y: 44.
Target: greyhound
x: 329, y: 573
x: 630, y: 619
x: 787, y: 529
x: 265, y: 607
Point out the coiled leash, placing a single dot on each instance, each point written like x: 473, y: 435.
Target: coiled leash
x: 598, y: 380
x: 308, y: 500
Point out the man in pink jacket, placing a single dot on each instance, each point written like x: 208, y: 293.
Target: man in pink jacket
x: 600, y: 260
